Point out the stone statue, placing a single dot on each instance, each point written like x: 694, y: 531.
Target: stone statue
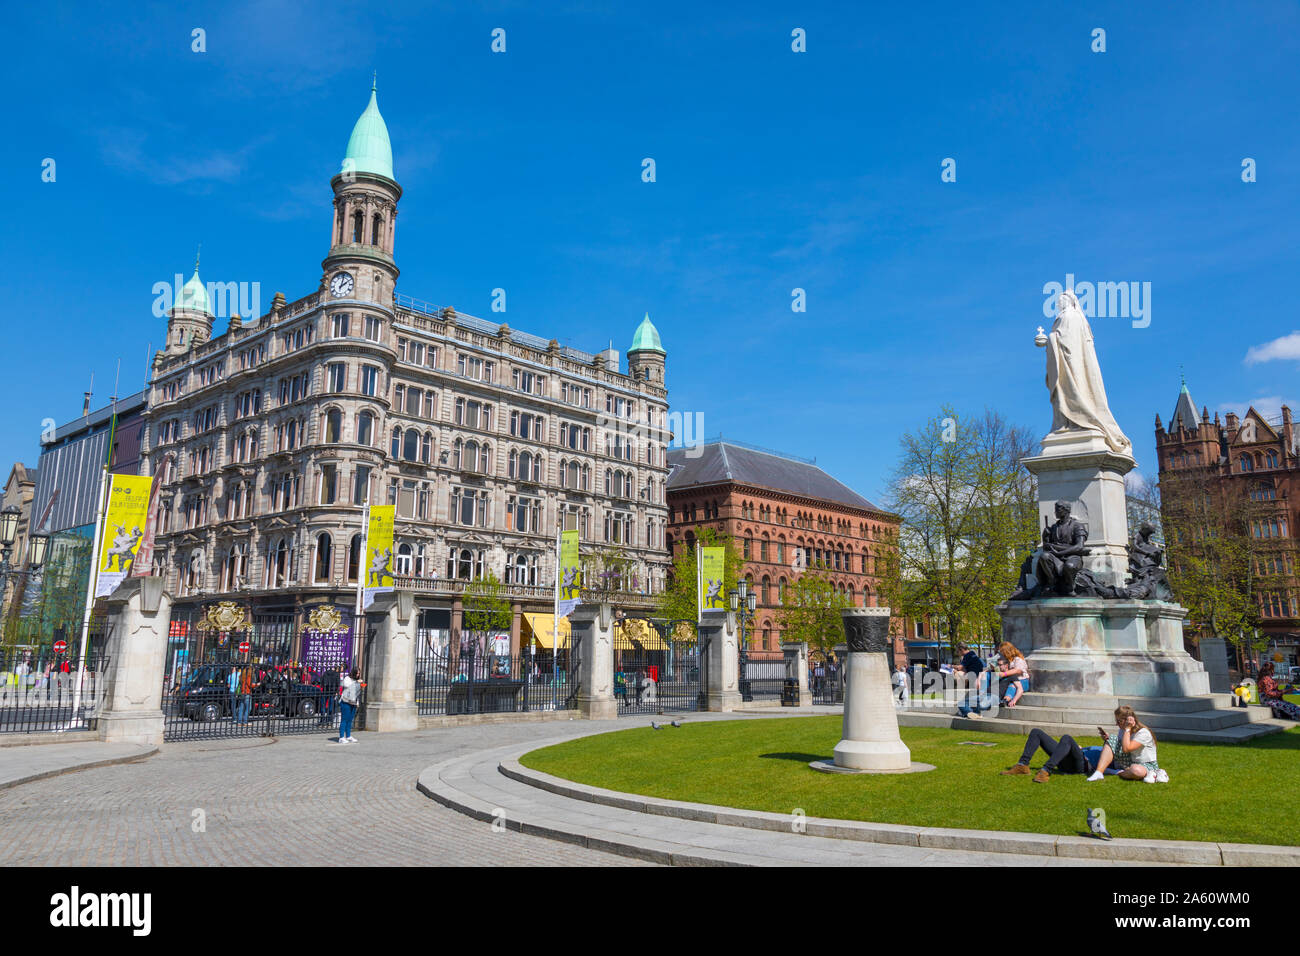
x: 1074, y: 377
x: 1147, y: 578
x: 1060, y: 559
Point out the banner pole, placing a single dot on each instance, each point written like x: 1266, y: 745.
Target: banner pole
x: 699, y: 586
x: 363, y: 562
x: 92, y: 580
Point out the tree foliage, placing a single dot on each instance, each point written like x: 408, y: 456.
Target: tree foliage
x: 969, y: 515
x: 1217, y: 567
x: 485, y: 610
x: 680, y: 599
x: 810, y: 612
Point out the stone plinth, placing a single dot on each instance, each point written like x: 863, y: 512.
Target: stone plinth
x: 390, y: 674
x: 592, y: 653
x: 1077, y: 467
x: 1097, y: 647
x: 137, y: 647
x: 721, y: 660
x: 870, y: 729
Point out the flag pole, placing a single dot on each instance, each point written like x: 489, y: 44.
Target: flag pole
x: 555, y: 619
x: 699, y: 586
x: 92, y: 580
x: 363, y: 572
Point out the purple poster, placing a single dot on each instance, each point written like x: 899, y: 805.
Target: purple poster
x: 327, y: 639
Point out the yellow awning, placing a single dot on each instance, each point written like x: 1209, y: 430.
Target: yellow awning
x: 640, y: 631
x: 542, y: 626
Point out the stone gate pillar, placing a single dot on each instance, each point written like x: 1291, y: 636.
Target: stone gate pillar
x: 721, y: 660
x: 131, y: 712
x: 796, y: 665
x: 592, y: 644
x: 390, y: 673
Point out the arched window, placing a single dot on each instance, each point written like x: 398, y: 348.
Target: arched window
x: 426, y: 447
x: 376, y: 227
x: 365, y: 428
x: 396, y: 449
x: 358, y: 224
x: 1246, y: 464
x: 354, y: 558
x: 484, y: 457
x: 411, y: 445
x: 513, y: 464
x: 471, y: 456
x: 333, y: 426
x: 765, y: 595
x: 403, y: 562
x: 1272, y: 459
x: 324, y: 557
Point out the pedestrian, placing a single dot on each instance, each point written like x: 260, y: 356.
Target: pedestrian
x: 349, y: 696
x: 971, y: 664
x: 244, y: 695
x: 901, y: 685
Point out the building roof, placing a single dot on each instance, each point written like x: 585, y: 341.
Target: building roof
x: 369, y: 149
x: 1184, y: 412
x: 646, y: 338
x: 721, y: 461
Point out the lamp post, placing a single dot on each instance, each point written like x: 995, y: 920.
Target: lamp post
x: 743, y: 603
x: 38, y: 544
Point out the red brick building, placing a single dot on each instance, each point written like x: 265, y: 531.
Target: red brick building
x: 786, y: 514
x: 1259, y: 458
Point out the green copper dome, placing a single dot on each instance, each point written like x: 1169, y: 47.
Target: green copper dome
x: 369, y: 148
x: 194, y: 296
x: 646, y: 338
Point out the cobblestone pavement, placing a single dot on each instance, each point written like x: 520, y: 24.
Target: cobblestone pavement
x: 296, y: 801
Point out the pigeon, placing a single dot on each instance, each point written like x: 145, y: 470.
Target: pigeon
x: 655, y: 726
x: 676, y: 724
x: 1097, y: 823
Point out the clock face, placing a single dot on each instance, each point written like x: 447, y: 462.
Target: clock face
x: 341, y: 284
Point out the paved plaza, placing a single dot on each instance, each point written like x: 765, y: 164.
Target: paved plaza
x: 291, y: 801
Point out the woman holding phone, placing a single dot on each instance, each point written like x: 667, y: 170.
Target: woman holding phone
x: 1137, y: 744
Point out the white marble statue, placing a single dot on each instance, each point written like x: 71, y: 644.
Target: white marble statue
x: 1074, y: 377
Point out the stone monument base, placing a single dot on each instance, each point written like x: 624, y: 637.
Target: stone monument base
x: 1104, y: 648
x: 830, y: 766
x: 871, y: 740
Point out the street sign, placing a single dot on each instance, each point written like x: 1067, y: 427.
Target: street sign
x: 60, y: 647
x: 244, y: 647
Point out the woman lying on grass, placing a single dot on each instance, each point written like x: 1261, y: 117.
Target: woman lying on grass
x: 1137, y: 743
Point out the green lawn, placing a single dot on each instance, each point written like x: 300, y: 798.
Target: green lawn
x: 1243, y: 793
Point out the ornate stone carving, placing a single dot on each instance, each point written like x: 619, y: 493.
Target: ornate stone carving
x: 867, y: 630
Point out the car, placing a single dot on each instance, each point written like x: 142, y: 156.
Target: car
x: 206, y: 695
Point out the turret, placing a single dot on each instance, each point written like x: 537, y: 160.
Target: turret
x: 189, y: 322
x: 646, y: 359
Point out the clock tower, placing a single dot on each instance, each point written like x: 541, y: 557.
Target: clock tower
x: 360, y: 265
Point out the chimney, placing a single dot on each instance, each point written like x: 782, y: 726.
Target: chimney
x: 1231, y: 420
x: 1288, y: 433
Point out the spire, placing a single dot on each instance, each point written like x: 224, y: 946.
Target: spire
x: 369, y: 148
x: 1184, y: 415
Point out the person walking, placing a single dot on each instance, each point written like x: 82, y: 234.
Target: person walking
x: 349, y: 696
x: 901, y: 685
x: 971, y: 664
x: 243, y: 694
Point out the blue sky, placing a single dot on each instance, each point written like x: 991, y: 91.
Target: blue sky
x: 775, y: 170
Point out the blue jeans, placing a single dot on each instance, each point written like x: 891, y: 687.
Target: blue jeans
x: 979, y: 698
x: 243, y: 707
x: 1010, y: 691
x: 346, y: 713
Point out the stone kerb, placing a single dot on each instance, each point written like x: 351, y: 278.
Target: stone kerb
x: 390, y: 672
x: 131, y: 711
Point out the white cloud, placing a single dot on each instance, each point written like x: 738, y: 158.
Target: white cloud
x: 1286, y: 347
x: 1270, y: 406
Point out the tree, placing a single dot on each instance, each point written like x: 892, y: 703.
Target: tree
x: 607, y: 574
x: 968, y: 516
x: 680, y: 599
x: 485, y: 610
x: 810, y: 611
x: 1217, y: 566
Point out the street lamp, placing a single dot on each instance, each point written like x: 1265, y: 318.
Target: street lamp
x: 744, y: 601
x: 39, y: 544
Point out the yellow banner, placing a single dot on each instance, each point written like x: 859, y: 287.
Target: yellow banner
x: 570, y: 573
x: 379, y: 547
x: 125, y: 519
x: 713, y: 564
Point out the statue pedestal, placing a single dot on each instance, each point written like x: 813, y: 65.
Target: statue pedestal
x: 1077, y: 466
x: 1097, y: 647
x: 871, y: 741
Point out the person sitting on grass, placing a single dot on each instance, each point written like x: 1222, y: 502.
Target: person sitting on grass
x: 1063, y: 756
x: 1270, y: 694
x: 1017, y: 669
x: 1136, y: 742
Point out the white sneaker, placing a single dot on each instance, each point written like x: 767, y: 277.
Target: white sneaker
x: 1162, y: 776
x: 1096, y: 775
x: 352, y: 740
x: 1149, y: 778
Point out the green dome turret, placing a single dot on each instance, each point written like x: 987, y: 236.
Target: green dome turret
x: 646, y: 338
x: 194, y: 296
x: 369, y: 149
